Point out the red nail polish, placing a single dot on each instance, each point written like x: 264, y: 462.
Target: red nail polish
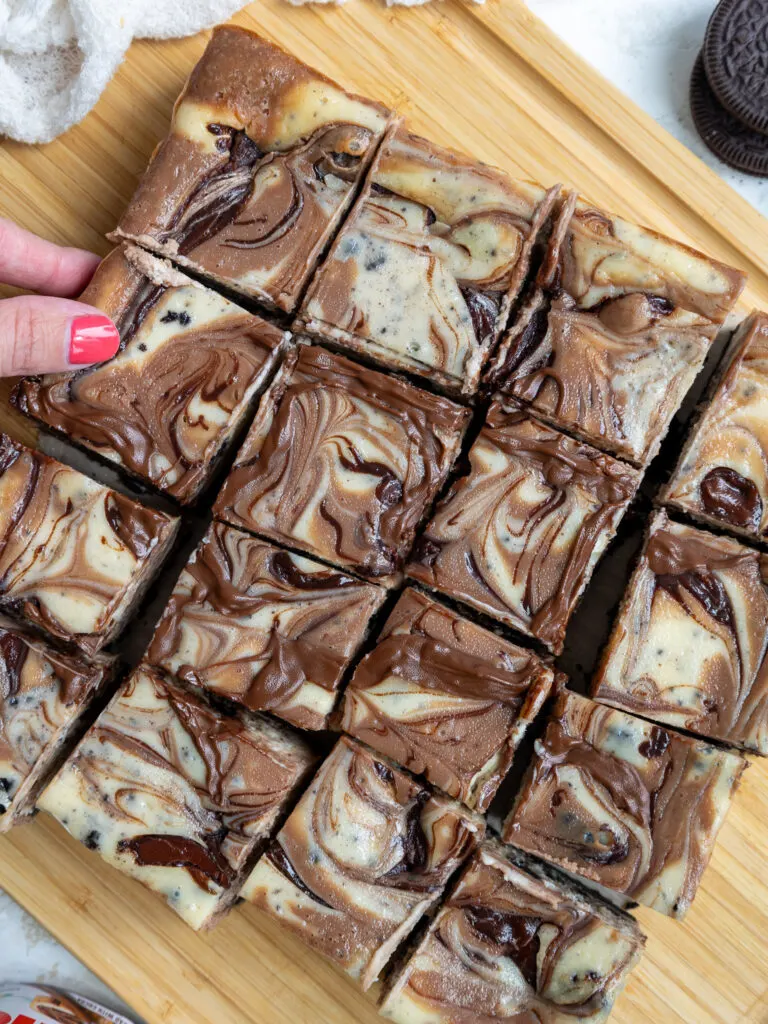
x: 92, y: 339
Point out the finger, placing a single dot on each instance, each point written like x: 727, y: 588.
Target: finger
x: 27, y: 261
x: 40, y: 334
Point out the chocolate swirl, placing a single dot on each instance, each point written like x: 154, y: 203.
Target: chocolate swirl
x: 73, y: 554
x: 163, y: 408
x: 513, y: 945
x: 271, y: 153
x: 269, y: 629
x: 175, y: 794
x: 438, y: 708
x: 364, y: 854
x: 722, y: 476
x: 615, y: 376
x: 42, y: 691
x: 689, y: 647
x: 518, y: 536
x: 424, y: 272
x: 342, y: 462
x: 624, y: 803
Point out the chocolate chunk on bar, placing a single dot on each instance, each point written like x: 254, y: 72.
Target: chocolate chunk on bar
x: 445, y: 698
x: 261, y: 163
x: 518, y: 536
x: 624, y: 803
x: 342, y: 462
x: 514, y: 942
x: 363, y: 856
x: 43, y: 693
x: 190, y: 364
x: 722, y: 476
x: 621, y: 325
x: 690, y: 645
x: 75, y: 557
x: 176, y: 795
x: 424, y: 273
x: 269, y: 629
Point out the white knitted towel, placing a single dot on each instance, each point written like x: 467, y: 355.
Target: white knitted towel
x: 57, y: 56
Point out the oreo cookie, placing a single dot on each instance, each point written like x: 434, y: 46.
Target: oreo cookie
x: 725, y: 135
x: 736, y: 60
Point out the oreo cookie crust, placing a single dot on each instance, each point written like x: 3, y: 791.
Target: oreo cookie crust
x: 731, y: 141
x: 736, y: 60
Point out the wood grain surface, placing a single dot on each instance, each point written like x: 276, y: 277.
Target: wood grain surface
x: 495, y: 82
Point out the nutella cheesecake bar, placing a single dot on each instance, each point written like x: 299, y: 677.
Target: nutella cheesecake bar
x: 261, y: 163
x: 75, y: 556
x: 363, y: 856
x: 270, y: 629
x: 43, y: 694
x: 445, y: 698
x: 515, y: 942
x: 619, y: 328
x: 342, y: 462
x: 518, y: 536
x: 722, y: 476
x: 182, y: 383
x: 176, y: 795
x: 424, y: 272
x: 624, y: 803
x: 690, y: 645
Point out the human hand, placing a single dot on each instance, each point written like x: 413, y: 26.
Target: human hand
x: 48, y: 332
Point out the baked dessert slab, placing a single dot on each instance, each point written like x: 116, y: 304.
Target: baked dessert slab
x: 272, y: 630
x: 363, y: 856
x: 624, y: 803
x: 515, y: 943
x: 176, y: 795
x: 342, y: 462
x: 75, y: 556
x: 189, y: 367
x: 261, y: 163
x: 518, y: 536
x: 617, y: 331
x: 43, y: 693
x: 445, y: 698
x: 690, y: 645
x: 424, y: 272
x: 722, y: 476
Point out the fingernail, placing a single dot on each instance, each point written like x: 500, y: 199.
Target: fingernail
x: 92, y: 339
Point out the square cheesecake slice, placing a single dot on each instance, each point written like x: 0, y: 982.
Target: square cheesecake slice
x: 363, y: 856
x: 184, y: 379
x: 518, y: 536
x: 75, y: 556
x: 43, y: 694
x: 343, y: 462
x: 722, y: 476
x: 516, y: 942
x: 445, y: 698
x: 177, y: 795
x: 623, y: 803
x: 424, y: 272
x: 690, y: 645
x: 621, y: 325
x: 261, y: 163
x: 269, y: 629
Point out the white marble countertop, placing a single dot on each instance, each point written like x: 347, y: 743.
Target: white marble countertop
x: 648, y: 52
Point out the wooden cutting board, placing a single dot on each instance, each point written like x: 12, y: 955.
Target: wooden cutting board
x: 495, y: 82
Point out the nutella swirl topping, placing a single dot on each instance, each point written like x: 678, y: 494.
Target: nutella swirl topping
x: 270, y: 629
x: 689, y: 647
x: 518, y: 536
x: 624, y: 803
x: 161, y: 782
x: 364, y: 854
x: 342, y: 462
